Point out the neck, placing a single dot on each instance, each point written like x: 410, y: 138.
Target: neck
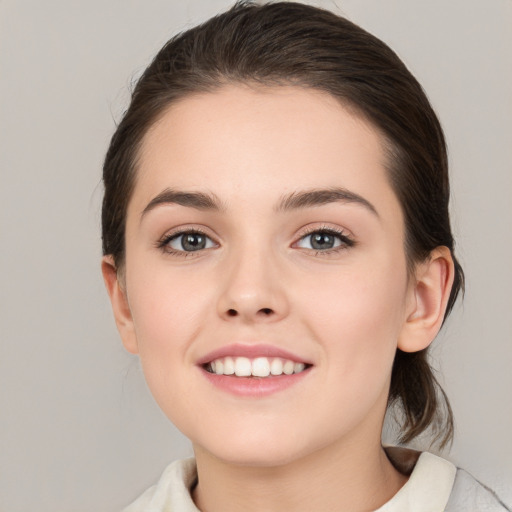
x: 350, y: 477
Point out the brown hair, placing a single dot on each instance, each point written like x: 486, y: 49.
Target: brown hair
x: 286, y: 43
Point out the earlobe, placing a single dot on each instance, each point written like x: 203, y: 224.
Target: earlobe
x: 119, y: 301
x: 429, y: 294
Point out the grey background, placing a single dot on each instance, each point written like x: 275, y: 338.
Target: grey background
x: 78, y: 429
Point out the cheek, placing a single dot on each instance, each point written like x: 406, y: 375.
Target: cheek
x: 372, y: 299
x: 166, y: 319
x: 160, y: 295
x: 357, y: 315
x: 357, y: 319
x: 166, y: 312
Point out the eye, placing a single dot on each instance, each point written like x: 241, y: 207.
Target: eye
x: 324, y: 240
x: 189, y: 241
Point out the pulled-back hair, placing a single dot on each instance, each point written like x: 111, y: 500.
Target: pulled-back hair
x: 286, y: 43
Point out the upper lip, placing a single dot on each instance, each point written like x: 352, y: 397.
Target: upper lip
x: 250, y: 351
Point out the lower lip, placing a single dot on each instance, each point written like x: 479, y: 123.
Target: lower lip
x: 254, y: 386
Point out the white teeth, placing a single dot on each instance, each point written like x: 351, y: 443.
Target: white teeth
x: 243, y: 367
x: 288, y: 367
x: 297, y: 367
x: 276, y: 367
x: 261, y: 367
x: 229, y: 366
x: 258, y: 367
x: 219, y: 368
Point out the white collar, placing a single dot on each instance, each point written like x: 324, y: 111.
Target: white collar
x: 427, y: 490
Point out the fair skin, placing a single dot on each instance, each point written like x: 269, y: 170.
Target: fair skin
x: 340, y: 303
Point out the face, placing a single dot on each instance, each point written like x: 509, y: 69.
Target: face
x: 265, y: 274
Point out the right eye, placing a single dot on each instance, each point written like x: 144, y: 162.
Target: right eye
x: 187, y: 241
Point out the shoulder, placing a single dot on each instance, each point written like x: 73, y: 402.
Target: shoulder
x: 429, y: 485
x: 469, y: 494
x: 172, y: 491
x: 435, y: 484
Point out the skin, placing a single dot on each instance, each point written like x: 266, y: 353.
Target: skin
x: 315, y: 445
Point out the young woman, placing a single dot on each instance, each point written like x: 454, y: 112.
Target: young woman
x: 278, y: 252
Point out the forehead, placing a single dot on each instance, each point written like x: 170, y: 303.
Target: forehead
x: 259, y: 142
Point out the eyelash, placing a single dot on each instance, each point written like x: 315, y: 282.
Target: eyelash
x: 346, y: 241
x: 163, y: 243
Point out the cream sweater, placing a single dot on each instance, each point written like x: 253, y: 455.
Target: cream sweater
x: 434, y: 485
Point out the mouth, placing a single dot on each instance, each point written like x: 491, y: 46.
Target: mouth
x: 253, y: 371
x: 261, y: 367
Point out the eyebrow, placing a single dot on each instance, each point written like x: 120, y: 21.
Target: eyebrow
x: 319, y: 197
x: 294, y: 201
x: 197, y: 200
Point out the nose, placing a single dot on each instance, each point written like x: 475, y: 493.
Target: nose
x: 253, y: 290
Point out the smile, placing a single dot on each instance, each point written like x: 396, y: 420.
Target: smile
x: 254, y: 371
x: 256, y: 367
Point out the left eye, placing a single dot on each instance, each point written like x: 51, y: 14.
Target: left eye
x: 323, y: 241
x: 190, y: 241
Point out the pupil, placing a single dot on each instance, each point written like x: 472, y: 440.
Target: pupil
x: 193, y: 242
x: 322, y: 241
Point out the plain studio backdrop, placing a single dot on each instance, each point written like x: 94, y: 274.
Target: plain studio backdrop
x: 78, y: 430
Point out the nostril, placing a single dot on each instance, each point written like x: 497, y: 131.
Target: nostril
x: 266, y: 311
x: 232, y: 312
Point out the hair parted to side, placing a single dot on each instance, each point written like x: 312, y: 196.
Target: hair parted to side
x: 287, y: 43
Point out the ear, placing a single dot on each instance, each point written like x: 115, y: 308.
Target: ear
x: 120, y: 307
x: 427, y: 300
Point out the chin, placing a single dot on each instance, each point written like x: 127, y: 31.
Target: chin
x: 257, y: 458
x: 263, y: 447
